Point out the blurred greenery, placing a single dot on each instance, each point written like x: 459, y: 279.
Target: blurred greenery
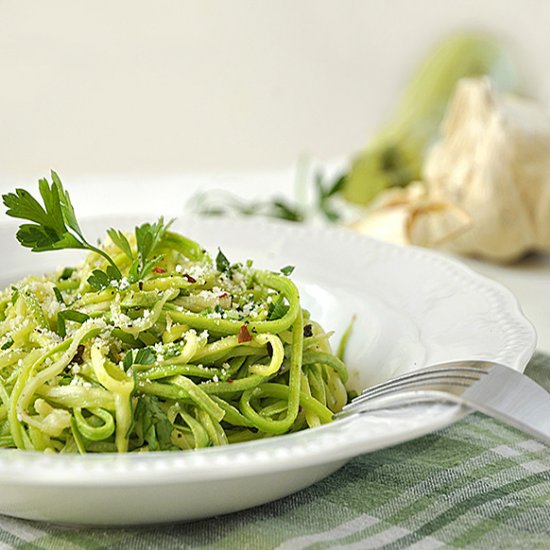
x: 395, y: 155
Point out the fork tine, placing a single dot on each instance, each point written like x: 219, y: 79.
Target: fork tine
x: 426, y: 375
x: 399, y: 398
x: 429, y: 379
x: 456, y: 367
x: 453, y: 377
x: 449, y: 383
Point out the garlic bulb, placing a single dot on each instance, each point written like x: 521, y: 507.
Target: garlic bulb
x: 486, y: 189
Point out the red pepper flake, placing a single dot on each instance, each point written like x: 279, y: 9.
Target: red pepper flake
x: 230, y: 380
x: 223, y: 294
x: 244, y: 335
x: 189, y: 278
x: 159, y: 269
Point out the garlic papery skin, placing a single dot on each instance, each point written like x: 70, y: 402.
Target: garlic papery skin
x: 486, y: 183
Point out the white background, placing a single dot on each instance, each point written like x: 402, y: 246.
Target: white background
x: 166, y: 86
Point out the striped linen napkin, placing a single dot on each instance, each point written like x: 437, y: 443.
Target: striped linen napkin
x: 476, y: 484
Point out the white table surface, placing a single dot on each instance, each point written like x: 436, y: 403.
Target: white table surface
x: 529, y: 279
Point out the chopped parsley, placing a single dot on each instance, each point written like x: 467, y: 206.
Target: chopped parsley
x: 66, y: 273
x: 55, y: 227
x: 143, y: 356
x: 69, y: 315
x: 222, y: 263
x: 8, y: 343
x: 58, y: 295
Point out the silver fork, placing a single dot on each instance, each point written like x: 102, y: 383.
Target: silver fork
x: 493, y: 389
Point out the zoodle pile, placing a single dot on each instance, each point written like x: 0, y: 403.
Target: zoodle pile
x: 151, y: 345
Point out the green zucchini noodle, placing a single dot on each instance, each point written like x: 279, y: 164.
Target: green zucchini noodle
x: 192, y: 355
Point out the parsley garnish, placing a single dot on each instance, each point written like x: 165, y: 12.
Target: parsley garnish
x: 287, y: 270
x: 66, y: 273
x: 152, y: 423
x: 120, y: 240
x: 69, y: 315
x: 101, y: 279
x: 58, y: 295
x: 148, y: 238
x: 54, y: 227
x: 222, y: 263
x: 277, y: 309
x: 143, y: 356
x: 14, y: 294
x: 7, y: 344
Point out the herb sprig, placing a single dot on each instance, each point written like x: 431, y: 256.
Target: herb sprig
x: 148, y: 238
x: 55, y: 227
x: 325, y: 190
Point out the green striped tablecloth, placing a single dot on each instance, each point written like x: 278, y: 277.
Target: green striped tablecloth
x: 477, y: 484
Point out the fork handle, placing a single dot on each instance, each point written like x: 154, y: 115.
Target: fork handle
x: 537, y: 426
x: 516, y: 400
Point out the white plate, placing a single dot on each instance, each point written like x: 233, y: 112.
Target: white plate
x: 413, y: 308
